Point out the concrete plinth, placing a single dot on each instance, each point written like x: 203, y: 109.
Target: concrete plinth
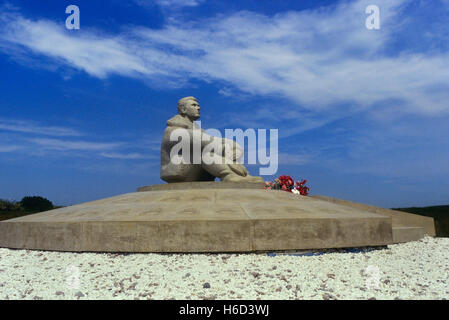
x: 214, y: 218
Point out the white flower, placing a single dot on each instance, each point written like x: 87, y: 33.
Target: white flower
x: 295, y: 191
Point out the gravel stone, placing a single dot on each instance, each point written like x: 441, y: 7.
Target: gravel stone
x: 413, y: 270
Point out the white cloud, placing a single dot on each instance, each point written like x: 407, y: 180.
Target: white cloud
x: 31, y: 138
x: 34, y: 128
x: 170, y: 3
x: 319, y: 59
x: 58, y: 144
x: 116, y: 155
x: 97, y: 55
x: 10, y: 148
x: 179, y: 3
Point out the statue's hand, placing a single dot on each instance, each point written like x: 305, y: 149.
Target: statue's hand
x: 239, y: 169
x: 232, y: 150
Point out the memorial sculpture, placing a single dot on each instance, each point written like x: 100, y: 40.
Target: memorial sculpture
x: 197, y: 214
x: 224, y: 166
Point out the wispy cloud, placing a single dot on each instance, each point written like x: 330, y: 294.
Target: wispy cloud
x: 10, y: 148
x: 58, y: 144
x: 319, y: 59
x: 117, y: 155
x: 33, y: 127
x: 31, y: 138
x: 170, y: 3
x: 86, y: 52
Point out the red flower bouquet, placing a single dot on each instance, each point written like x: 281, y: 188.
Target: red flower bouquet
x: 286, y: 183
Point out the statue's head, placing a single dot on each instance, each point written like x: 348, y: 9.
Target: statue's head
x: 189, y: 107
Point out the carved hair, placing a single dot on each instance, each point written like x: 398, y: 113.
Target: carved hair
x: 182, y: 102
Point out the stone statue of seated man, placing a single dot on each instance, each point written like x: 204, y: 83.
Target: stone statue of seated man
x: 225, y: 164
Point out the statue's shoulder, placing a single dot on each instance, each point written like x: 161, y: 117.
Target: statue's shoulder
x: 180, y: 122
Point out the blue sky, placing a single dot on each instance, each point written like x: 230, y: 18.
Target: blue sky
x: 362, y: 114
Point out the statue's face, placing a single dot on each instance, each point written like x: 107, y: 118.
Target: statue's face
x: 192, y: 109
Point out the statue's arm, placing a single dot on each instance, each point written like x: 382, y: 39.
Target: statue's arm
x: 225, y: 147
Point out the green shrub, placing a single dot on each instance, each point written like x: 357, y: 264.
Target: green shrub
x: 8, y: 205
x: 36, y: 204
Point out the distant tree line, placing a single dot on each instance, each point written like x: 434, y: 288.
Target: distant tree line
x: 25, y: 206
x: 440, y: 215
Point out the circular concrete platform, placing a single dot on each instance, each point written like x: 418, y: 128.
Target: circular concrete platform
x: 198, y: 217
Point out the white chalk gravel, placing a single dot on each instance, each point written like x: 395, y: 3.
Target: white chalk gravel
x: 413, y: 270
